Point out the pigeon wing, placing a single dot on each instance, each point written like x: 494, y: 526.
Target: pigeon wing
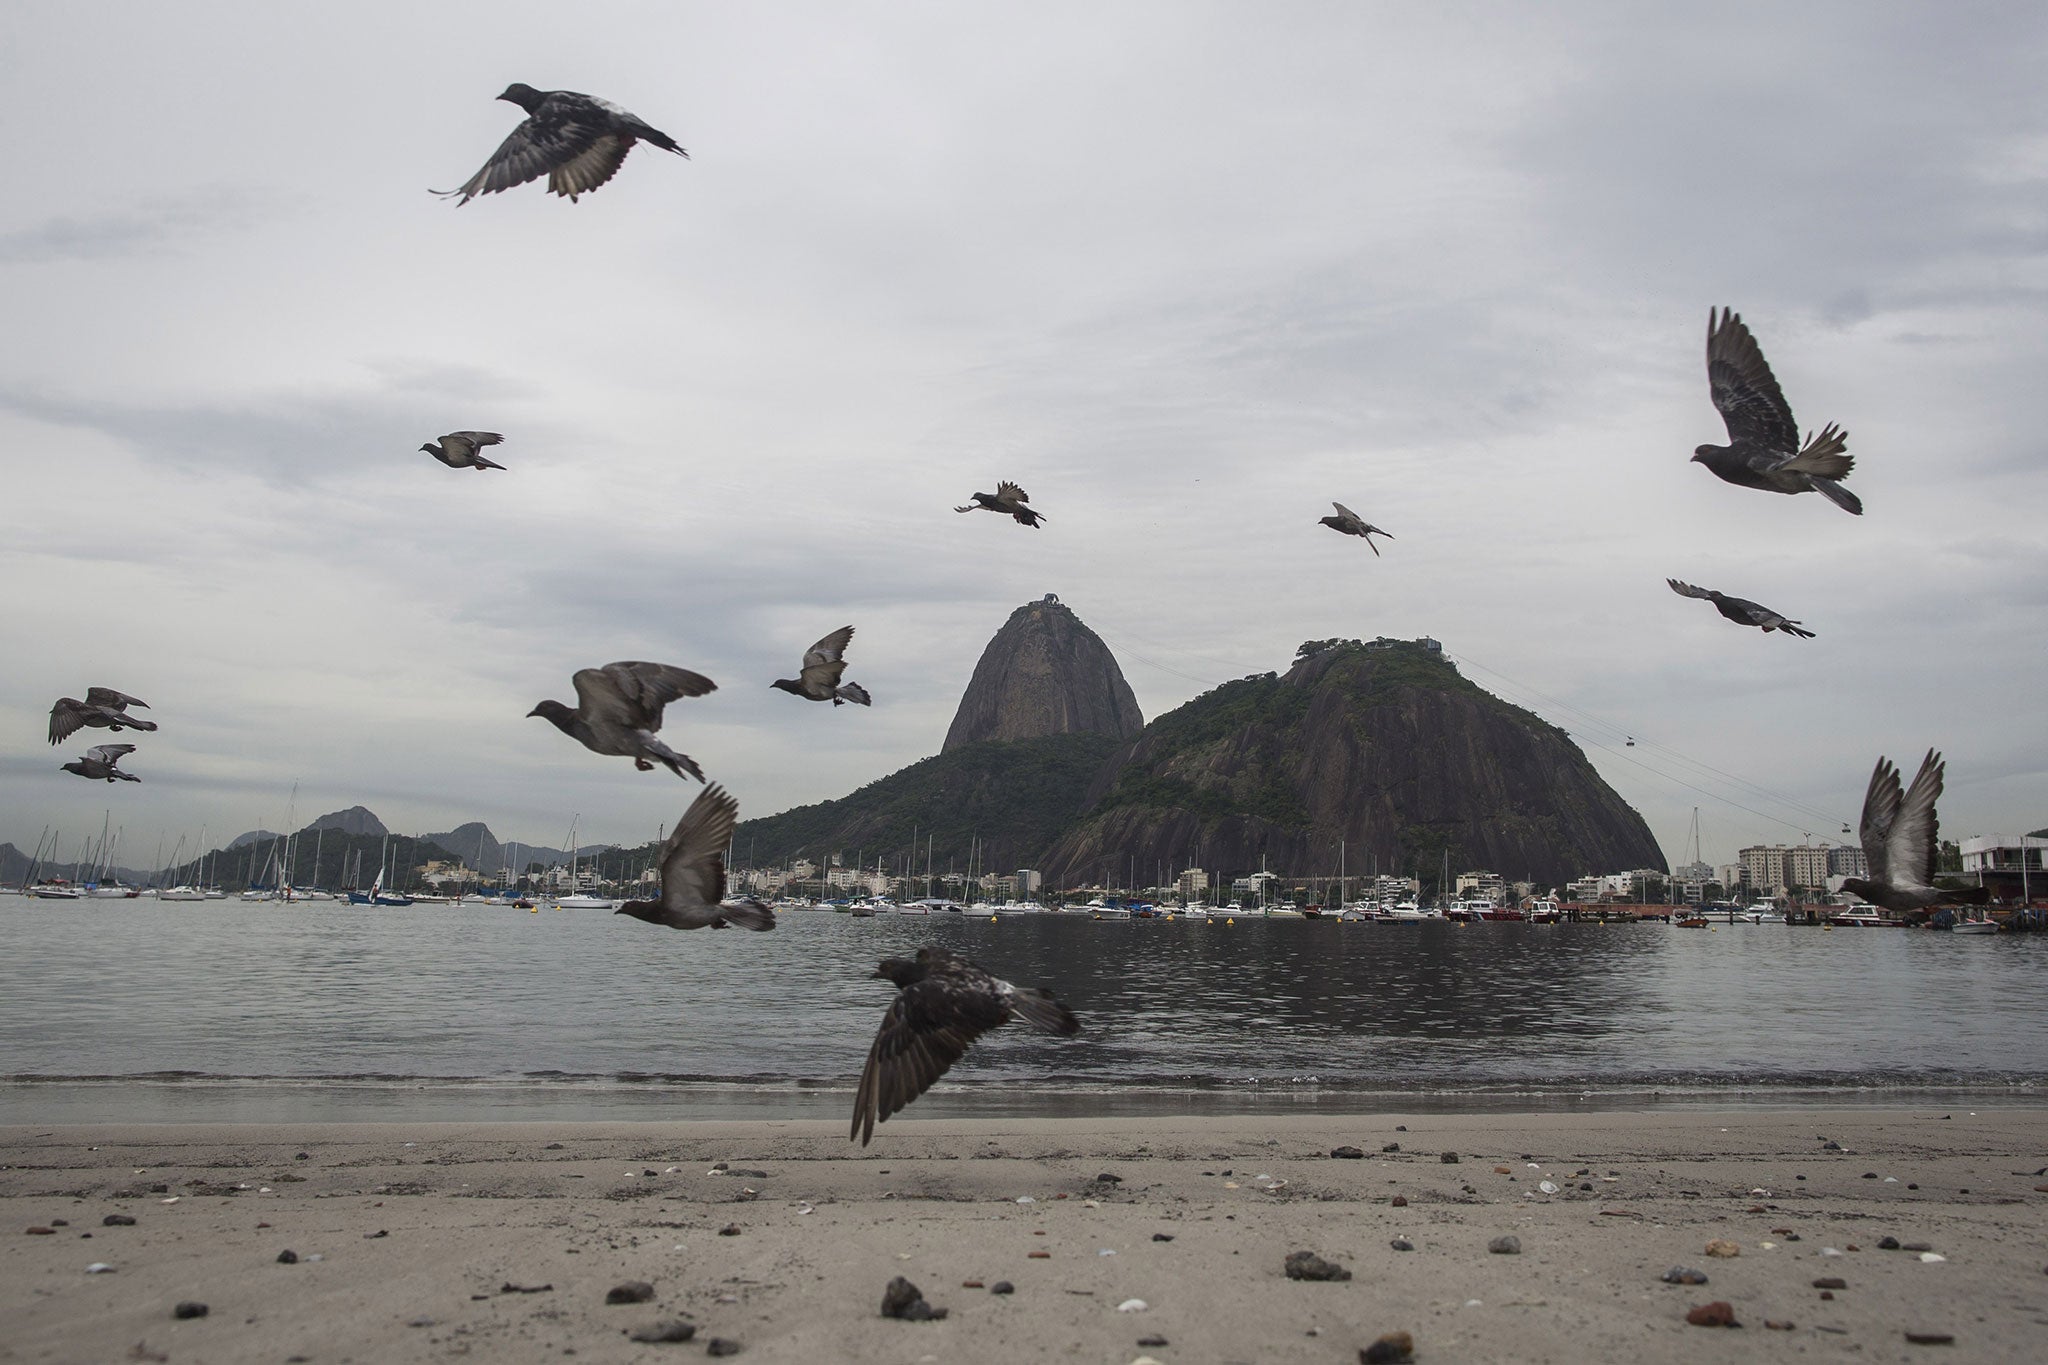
x: 693, y: 859
x: 465, y: 444
x: 1346, y: 512
x: 824, y: 661
x: 109, y: 754
x: 1881, y: 803
x: 1009, y: 492
x: 107, y: 696
x: 1911, y: 840
x: 1687, y: 589
x: 558, y: 134
x: 1746, y: 393
x: 632, y: 693
x: 591, y: 167
x: 929, y: 1026
x: 67, y: 718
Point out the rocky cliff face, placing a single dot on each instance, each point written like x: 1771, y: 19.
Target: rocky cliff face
x: 356, y: 820
x: 1386, y: 747
x: 1044, y: 673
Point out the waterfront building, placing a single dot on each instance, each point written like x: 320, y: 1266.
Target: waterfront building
x: 1194, y: 884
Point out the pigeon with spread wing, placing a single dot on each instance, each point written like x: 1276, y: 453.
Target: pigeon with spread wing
x: 1741, y: 610
x: 103, y: 708
x: 818, y: 680
x: 1900, y: 835
x: 100, y: 763
x: 1763, y: 449
x: 619, y: 709
x: 1009, y: 500
x: 693, y: 872
x: 577, y: 141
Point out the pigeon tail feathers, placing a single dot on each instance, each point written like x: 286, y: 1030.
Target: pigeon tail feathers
x: 1038, y: 1008
x: 748, y: 914
x: 679, y: 764
x: 1838, y: 495
x: 854, y: 693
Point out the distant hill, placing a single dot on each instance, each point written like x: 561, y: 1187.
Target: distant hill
x: 1012, y: 796
x: 1385, y: 746
x: 1044, y: 673
x: 354, y: 820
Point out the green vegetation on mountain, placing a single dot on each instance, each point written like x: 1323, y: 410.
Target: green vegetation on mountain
x: 1014, y: 796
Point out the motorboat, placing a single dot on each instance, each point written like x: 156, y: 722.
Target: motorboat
x: 1856, y: 917
x: 568, y: 903
x: 1974, y: 926
x: 1545, y: 911
x: 180, y: 893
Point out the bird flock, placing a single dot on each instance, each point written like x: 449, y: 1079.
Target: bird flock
x: 944, y: 1001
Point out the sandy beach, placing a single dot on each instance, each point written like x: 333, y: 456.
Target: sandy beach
x: 502, y: 1241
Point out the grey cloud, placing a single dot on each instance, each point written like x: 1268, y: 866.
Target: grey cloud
x: 157, y: 225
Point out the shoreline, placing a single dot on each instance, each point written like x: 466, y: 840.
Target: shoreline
x: 420, y: 1227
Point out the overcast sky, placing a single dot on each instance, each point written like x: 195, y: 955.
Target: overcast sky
x: 1187, y: 272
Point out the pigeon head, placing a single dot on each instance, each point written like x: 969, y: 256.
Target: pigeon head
x: 431, y: 448
x: 79, y: 768
x: 1861, y: 889
x: 555, y: 711
x: 523, y: 95
x: 900, y: 970
x: 789, y: 685
x: 1705, y: 452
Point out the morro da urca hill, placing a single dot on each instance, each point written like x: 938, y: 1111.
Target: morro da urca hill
x: 1385, y: 746
x: 1044, y: 673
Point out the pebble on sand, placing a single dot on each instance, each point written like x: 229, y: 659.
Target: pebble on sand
x: 1139, y: 1305
x: 99, y: 1268
x: 665, y: 1331
x: 118, y: 1220
x: 1449, y: 1158
x: 1399, y: 1201
x: 1720, y: 1247
x: 1684, y: 1274
x: 190, y: 1308
x: 287, y: 1257
x: 1932, y: 1338
x: 905, y: 1301
x: 1162, y: 1237
x: 1347, y: 1154
x: 1390, y: 1349
x: 632, y: 1291
x: 722, y: 1346
x: 1509, y: 1245
x: 1306, y: 1265
x: 1002, y: 1287
x: 1831, y: 1282
x: 1402, y: 1244
x: 42, y: 1232
x: 1154, y: 1341
x: 1715, y: 1314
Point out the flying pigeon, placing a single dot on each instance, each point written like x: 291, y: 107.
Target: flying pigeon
x: 458, y: 450
x: 99, y: 762
x: 103, y: 707
x: 944, y: 1003
x: 1764, y: 450
x: 1741, y: 611
x: 1352, y: 524
x: 577, y: 141
x: 619, y: 709
x: 824, y: 662
x: 1899, y: 838
x: 693, y: 872
x: 1007, y: 499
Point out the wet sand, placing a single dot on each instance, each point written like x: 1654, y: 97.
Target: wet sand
x: 410, y: 1237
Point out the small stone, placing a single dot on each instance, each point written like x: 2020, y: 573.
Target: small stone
x: 1870, y: 1175
x: 308, y: 1156
x: 1038, y: 1255
x: 1831, y: 1146
x: 1347, y: 1154
x: 42, y: 1232
x: 1162, y: 1237
x: 1400, y: 1127
x: 287, y: 1257
x: 1932, y: 1258
x: 722, y: 1346
x: 1931, y: 1338
x: 1887, y: 1244
x: 118, y: 1220
x: 632, y: 1291
x: 1915, y: 1246
x: 160, y: 1188
x: 1828, y: 1294
x: 1503, y: 1170
x: 905, y: 1301
x: 1306, y: 1265
x: 1139, y: 1305
x: 1402, y: 1244
x: 1107, y: 1179
x: 423, y: 1322
x: 373, y: 1236
x: 1715, y: 1314
x: 1390, y: 1349
x: 729, y: 1230
x: 1002, y: 1287
x: 1391, y: 1147
x: 190, y: 1308
x: 1154, y: 1341
x: 1586, y: 1185
x: 1721, y: 1247
x: 973, y: 1284
x: 665, y: 1331
x: 1684, y: 1274
x: 1777, y: 1325
x: 99, y: 1268
x: 1831, y: 1282
x: 1449, y: 1158
x: 551, y: 1147
x: 1509, y: 1245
